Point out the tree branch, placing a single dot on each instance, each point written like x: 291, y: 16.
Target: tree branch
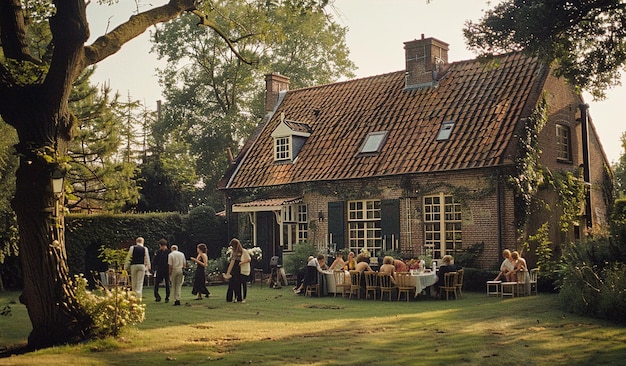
x: 112, y: 42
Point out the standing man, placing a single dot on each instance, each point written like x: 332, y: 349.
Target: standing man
x: 160, y: 264
x: 176, y: 261
x: 139, y: 261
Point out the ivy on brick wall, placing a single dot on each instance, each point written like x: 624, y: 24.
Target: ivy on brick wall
x: 528, y: 172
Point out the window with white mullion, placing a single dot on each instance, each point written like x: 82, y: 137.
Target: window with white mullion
x: 295, y: 225
x: 364, y: 226
x: 282, y: 148
x: 442, y: 233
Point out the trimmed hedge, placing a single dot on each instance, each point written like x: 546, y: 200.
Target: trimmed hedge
x: 85, y: 234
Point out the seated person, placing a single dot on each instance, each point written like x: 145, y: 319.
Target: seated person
x: 507, y: 267
x: 338, y: 263
x: 313, y: 269
x: 447, y: 266
x: 350, y: 262
x: 400, y: 265
x: 388, y: 267
x: 362, y: 263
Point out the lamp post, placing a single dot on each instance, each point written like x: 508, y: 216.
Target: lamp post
x: 57, y: 179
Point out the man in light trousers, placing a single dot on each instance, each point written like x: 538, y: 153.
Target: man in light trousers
x: 176, y: 262
x: 138, y: 260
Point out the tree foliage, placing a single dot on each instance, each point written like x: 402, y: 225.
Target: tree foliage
x: 215, y: 98
x: 585, y: 39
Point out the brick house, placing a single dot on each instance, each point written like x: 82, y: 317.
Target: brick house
x: 417, y: 161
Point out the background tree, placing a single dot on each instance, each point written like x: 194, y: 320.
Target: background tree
x: 215, y: 99
x: 99, y: 177
x: 35, y: 84
x: 619, y: 169
x: 587, y: 39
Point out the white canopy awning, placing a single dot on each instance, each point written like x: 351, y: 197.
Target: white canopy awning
x: 271, y: 204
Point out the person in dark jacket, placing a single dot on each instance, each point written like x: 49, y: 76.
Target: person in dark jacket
x: 161, y: 270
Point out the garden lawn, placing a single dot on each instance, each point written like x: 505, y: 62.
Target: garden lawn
x: 277, y: 327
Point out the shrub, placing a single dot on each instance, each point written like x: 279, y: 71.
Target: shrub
x: 299, y: 257
x: 111, y: 310
x: 594, y: 282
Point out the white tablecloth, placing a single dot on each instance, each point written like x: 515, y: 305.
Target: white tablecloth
x: 423, y: 280
x: 329, y: 278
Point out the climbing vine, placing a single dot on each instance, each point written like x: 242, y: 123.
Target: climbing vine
x: 570, y: 189
x: 529, y: 173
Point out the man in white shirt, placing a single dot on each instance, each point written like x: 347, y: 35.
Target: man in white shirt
x: 176, y: 262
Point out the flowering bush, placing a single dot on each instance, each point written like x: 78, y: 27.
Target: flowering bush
x: 256, y: 253
x: 111, y: 310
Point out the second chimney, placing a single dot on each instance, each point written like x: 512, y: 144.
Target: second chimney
x: 423, y: 59
x: 274, y: 85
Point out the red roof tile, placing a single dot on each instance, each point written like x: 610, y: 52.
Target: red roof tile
x: 485, y: 101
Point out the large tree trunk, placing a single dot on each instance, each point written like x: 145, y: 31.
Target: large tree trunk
x: 48, y: 292
x: 39, y: 112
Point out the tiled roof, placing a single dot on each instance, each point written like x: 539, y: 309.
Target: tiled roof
x: 487, y: 102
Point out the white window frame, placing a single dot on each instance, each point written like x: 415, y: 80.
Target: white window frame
x: 295, y: 225
x: 282, y: 148
x: 373, y: 142
x: 445, y: 130
x: 442, y: 225
x: 563, y: 142
x: 364, y: 226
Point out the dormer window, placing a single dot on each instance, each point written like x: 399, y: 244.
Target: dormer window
x: 289, y: 138
x: 373, y: 142
x: 445, y: 131
x: 282, y: 148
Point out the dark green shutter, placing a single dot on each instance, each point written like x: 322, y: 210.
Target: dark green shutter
x: 336, y: 223
x: 389, y: 222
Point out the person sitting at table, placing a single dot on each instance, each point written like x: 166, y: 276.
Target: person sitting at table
x: 300, y: 276
x: 507, y: 267
x: 414, y: 264
x: 350, y: 263
x: 520, y: 266
x: 314, y: 267
x: 388, y: 267
x: 362, y: 265
x: 400, y: 265
x: 447, y: 266
x: 338, y: 263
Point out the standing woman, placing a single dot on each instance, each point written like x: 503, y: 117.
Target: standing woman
x: 199, y: 279
x: 233, y: 274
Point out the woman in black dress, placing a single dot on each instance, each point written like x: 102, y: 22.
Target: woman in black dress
x: 199, y: 279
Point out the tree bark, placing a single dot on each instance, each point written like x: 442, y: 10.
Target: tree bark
x: 40, y: 114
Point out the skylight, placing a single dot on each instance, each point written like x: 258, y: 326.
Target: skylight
x: 373, y: 142
x: 445, y: 131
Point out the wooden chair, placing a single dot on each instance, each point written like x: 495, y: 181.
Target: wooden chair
x: 342, y: 282
x: 533, y: 281
x: 313, y: 289
x: 371, y: 284
x: 459, y: 282
x: 449, y: 285
x: 355, y: 283
x: 403, y: 282
x: 386, y: 285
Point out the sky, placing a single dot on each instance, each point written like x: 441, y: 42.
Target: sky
x: 377, y: 30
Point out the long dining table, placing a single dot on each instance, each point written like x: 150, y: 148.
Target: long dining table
x: 423, y: 280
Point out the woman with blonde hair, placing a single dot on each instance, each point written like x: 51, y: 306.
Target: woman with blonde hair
x: 507, y: 267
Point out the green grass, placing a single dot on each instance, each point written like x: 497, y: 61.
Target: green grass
x: 277, y: 327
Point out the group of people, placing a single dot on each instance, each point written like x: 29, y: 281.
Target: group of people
x: 168, y: 264
x: 511, y: 266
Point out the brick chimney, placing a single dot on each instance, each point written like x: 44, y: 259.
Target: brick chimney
x: 424, y: 57
x: 274, y: 84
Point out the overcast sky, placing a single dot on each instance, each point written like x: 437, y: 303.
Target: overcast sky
x: 376, y: 36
